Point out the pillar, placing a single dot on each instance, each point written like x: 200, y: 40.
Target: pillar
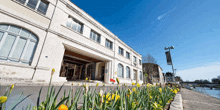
x: 107, y: 72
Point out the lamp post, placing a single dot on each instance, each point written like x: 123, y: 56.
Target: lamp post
x: 166, y: 48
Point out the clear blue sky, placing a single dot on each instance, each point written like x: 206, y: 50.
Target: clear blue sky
x: 191, y: 26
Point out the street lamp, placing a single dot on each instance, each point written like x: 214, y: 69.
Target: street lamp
x: 166, y: 48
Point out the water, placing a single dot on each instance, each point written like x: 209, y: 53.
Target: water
x: 215, y: 92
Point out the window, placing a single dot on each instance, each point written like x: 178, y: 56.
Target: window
x: 141, y: 76
x: 17, y: 44
x: 74, y: 25
x: 120, y: 70
x: 38, y: 5
x: 108, y: 44
x: 121, y: 51
x: 139, y: 62
x: 128, y: 55
x: 95, y: 36
x: 135, y: 74
x: 127, y: 72
x: 135, y: 59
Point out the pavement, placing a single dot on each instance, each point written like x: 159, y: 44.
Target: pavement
x: 197, y: 101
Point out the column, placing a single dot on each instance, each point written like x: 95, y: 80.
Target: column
x: 107, y: 72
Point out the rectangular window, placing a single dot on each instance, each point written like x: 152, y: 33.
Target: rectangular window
x: 108, y: 44
x: 74, y: 25
x: 121, y: 51
x: 135, y: 59
x: 128, y: 55
x: 38, y: 5
x: 95, y: 36
x: 135, y: 74
x: 139, y: 62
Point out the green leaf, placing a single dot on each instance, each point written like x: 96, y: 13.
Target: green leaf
x: 61, y: 102
x: 38, y: 99
x: 21, y: 101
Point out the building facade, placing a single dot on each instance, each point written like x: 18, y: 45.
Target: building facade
x: 38, y: 35
x: 154, y: 72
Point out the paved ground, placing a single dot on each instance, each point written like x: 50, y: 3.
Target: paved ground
x: 196, y: 101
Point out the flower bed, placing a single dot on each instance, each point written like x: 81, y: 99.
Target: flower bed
x: 135, y: 97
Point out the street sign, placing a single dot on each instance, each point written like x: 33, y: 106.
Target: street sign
x: 168, y: 56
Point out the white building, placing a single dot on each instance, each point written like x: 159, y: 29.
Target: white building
x: 38, y: 35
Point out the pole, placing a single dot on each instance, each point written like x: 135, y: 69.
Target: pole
x: 172, y: 68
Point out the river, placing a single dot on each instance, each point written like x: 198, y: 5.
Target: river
x: 215, y: 92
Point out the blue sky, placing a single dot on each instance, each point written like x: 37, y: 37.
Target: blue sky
x: 191, y: 26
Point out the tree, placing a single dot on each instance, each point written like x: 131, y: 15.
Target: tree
x: 149, y: 59
x: 148, y: 66
x: 215, y: 80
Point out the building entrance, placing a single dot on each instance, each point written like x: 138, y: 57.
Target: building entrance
x: 76, y: 66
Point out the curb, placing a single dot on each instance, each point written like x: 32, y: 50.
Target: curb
x: 177, y: 103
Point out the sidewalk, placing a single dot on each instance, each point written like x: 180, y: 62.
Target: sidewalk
x: 30, y: 82
x: 196, y: 101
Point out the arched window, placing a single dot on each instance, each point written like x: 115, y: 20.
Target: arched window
x: 17, y: 44
x: 127, y: 72
x: 120, y: 70
x: 141, y: 76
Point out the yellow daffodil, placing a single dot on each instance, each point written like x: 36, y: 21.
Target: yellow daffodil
x: 97, y: 84
x: 160, y: 89
x: 149, y: 85
x: 113, y: 96
x: 117, y: 97
x: 12, y: 87
x: 53, y: 71
x: 63, y: 107
x: 133, y: 83
x: 117, y: 80
x: 150, y: 97
x: 3, y: 99
x: 171, y: 90
x: 109, y: 99
x: 175, y: 91
x: 86, y: 79
x: 138, y: 85
x: 129, y: 92
x: 134, y: 89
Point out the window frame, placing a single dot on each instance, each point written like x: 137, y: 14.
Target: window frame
x: 134, y: 74
x: 97, y: 36
x: 121, y: 52
x: 73, y: 21
x: 28, y: 40
x: 127, y: 68
x: 127, y: 53
x: 140, y: 62
x: 119, y: 71
x: 37, y: 5
x: 141, y: 75
x: 135, y: 59
x: 110, y: 42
